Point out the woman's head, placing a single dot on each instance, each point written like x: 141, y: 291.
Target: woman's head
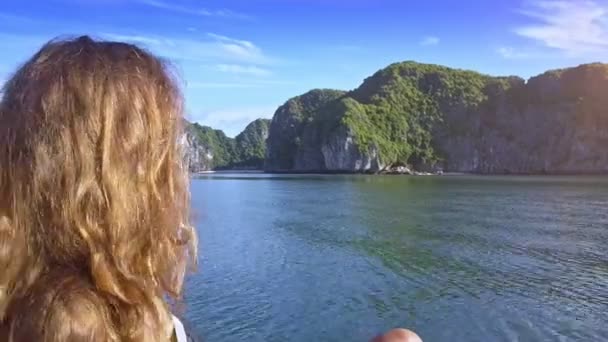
x: 92, y: 184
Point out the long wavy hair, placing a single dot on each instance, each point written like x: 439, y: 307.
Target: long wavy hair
x: 95, y: 236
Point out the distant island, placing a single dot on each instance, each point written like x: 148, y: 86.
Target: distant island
x: 210, y: 149
x: 421, y: 117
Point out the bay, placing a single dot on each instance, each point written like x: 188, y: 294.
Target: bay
x: 455, y: 258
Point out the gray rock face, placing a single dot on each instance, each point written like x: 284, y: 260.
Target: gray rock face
x: 556, y: 123
x: 197, y: 156
x: 208, y: 149
x: 335, y: 151
x: 294, y: 142
x: 340, y: 153
x: 298, y: 142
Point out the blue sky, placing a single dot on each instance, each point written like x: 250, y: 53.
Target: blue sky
x: 240, y: 59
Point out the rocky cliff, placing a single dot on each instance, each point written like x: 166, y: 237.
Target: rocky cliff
x: 198, y: 155
x: 250, y: 145
x: 297, y: 132
x: 431, y: 118
x: 210, y: 149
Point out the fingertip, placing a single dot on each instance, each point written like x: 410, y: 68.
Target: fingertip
x: 398, y: 335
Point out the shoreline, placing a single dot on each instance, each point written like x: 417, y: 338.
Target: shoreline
x: 414, y: 173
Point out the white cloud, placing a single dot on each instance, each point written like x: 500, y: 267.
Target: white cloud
x: 511, y: 53
x: 242, y: 69
x: 238, y: 47
x: 233, y: 120
x: 429, y: 41
x: 225, y: 39
x: 574, y: 27
x: 214, y: 47
x: 136, y: 39
x: 194, y: 11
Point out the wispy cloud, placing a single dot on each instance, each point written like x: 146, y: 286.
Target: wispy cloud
x: 243, y: 48
x: 243, y: 69
x: 574, y: 27
x: 233, y: 120
x: 15, y: 19
x: 137, y: 39
x: 173, y: 7
x: 512, y: 53
x: 429, y: 41
x: 209, y: 48
x: 242, y: 84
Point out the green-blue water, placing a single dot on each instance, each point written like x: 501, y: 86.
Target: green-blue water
x: 456, y: 258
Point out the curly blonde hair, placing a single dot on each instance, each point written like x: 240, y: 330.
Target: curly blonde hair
x: 94, y: 201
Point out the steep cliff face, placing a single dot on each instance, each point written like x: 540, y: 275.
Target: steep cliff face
x: 209, y: 149
x: 295, y: 135
x: 197, y: 155
x: 341, y: 153
x: 435, y: 118
x: 555, y: 123
x: 250, y: 145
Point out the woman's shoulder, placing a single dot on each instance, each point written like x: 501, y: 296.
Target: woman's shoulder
x: 179, y: 331
x: 183, y: 332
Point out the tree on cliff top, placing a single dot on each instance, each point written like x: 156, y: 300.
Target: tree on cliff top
x: 251, y: 144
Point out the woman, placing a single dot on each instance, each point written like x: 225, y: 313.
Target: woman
x: 94, y: 231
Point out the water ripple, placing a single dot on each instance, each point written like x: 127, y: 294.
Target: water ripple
x: 323, y: 258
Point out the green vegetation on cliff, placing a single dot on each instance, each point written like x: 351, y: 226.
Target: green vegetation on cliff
x: 432, y: 117
x: 292, y: 119
x: 398, y: 108
x: 221, y: 147
x: 246, y: 150
x: 250, y: 145
x: 395, y: 112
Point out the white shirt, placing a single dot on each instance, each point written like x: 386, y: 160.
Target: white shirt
x: 180, y: 332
